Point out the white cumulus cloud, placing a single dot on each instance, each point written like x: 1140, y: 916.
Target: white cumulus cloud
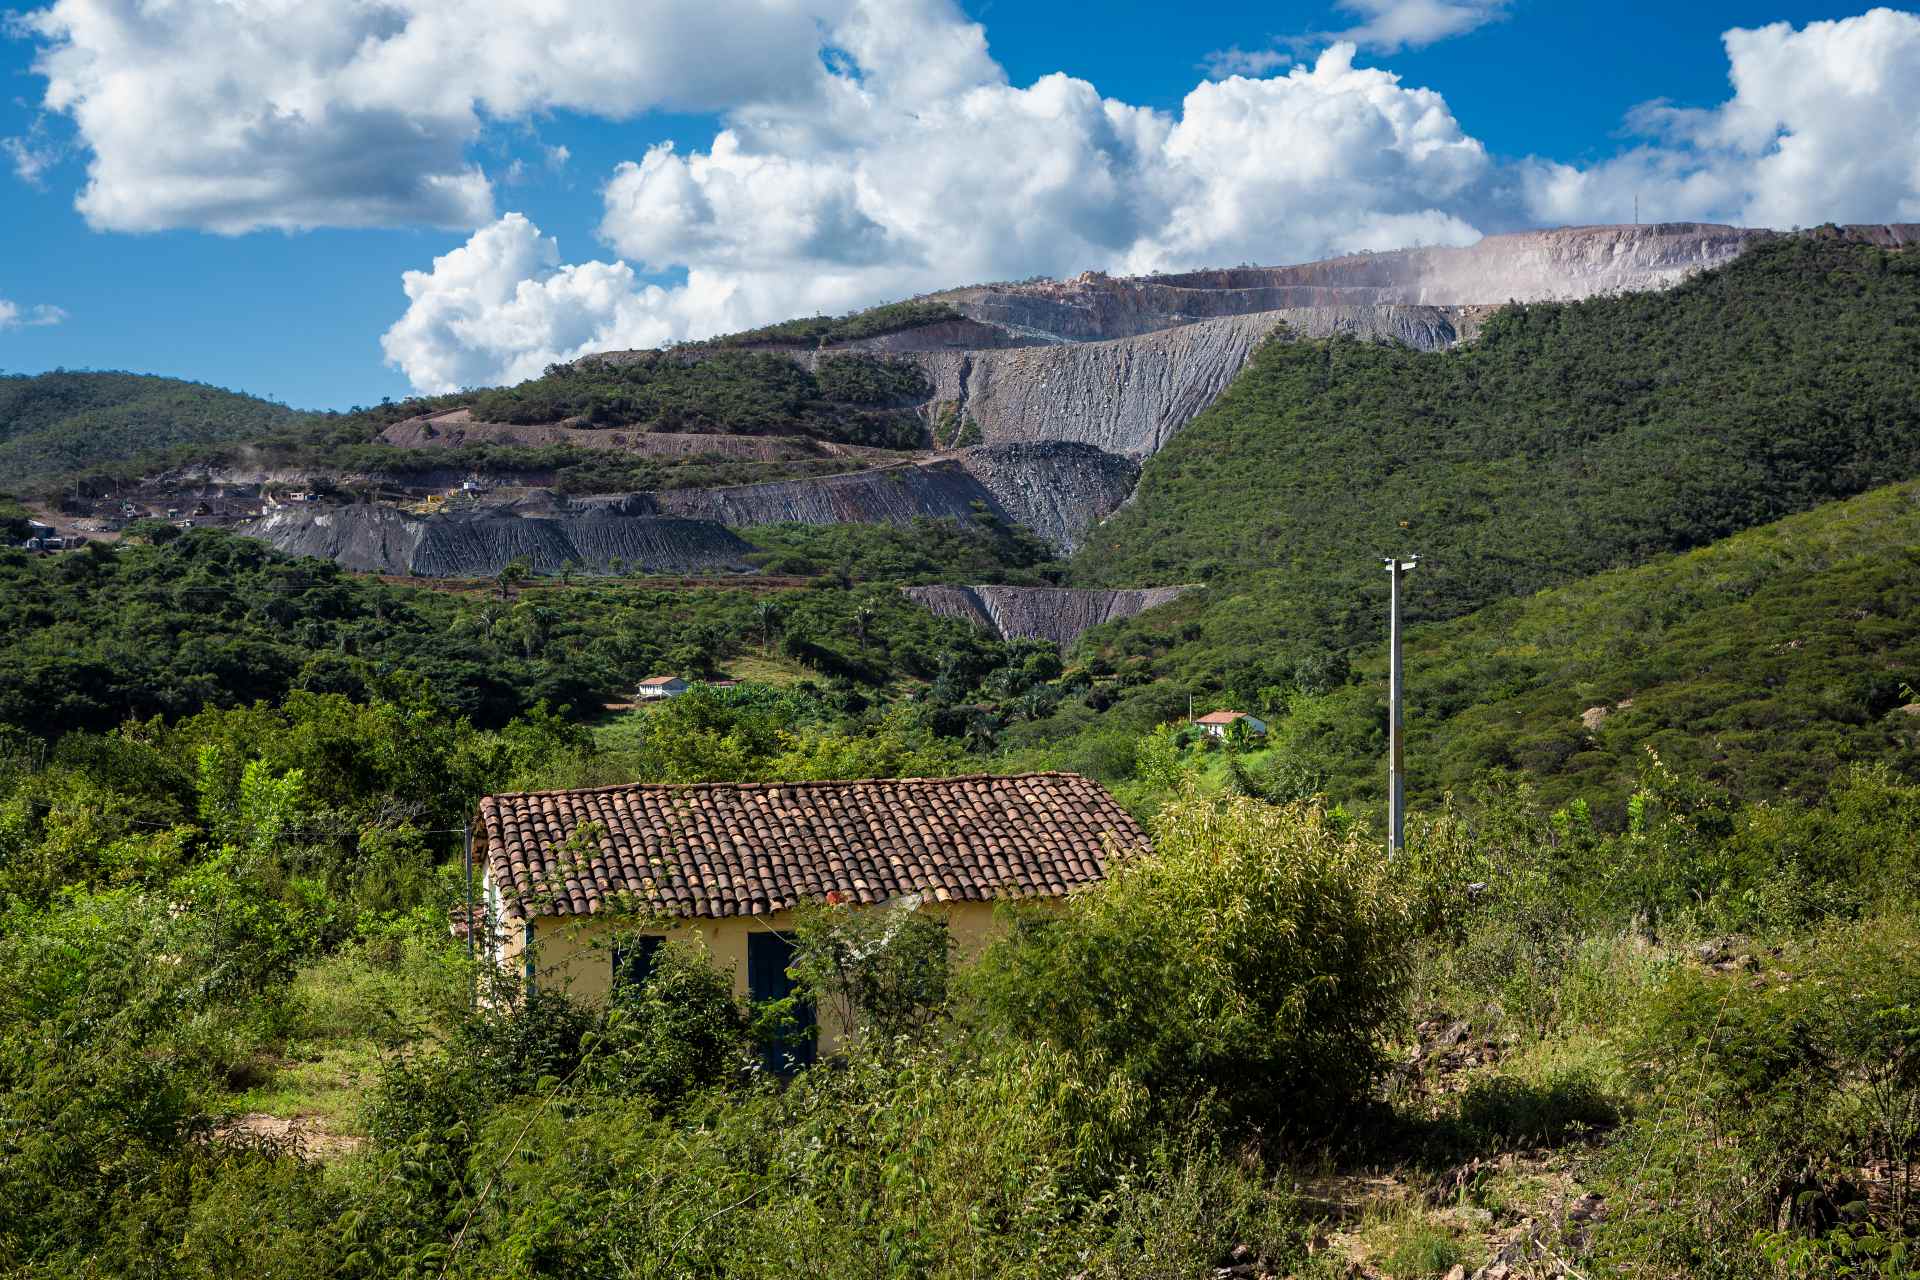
x: 502, y: 307
x: 858, y: 196
x: 300, y: 113
x: 14, y: 316
x: 1820, y: 127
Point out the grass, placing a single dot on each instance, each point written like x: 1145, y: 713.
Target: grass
x: 762, y: 668
x: 1405, y: 1239
x: 352, y: 1009
x: 326, y: 1084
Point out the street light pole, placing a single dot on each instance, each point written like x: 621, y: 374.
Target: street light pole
x: 1396, y: 714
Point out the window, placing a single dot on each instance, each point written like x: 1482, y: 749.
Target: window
x: 769, y: 956
x: 633, y: 960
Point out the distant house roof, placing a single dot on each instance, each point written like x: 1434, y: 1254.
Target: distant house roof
x: 660, y: 682
x: 1222, y: 717
x: 737, y: 849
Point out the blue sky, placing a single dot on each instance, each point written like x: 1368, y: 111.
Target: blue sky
x: 298, y: 314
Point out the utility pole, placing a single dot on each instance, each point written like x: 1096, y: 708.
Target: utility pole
x: 1396, y: 714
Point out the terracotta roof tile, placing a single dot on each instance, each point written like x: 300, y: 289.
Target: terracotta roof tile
x: 728, y: 849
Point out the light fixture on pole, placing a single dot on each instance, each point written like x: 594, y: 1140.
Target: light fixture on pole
x: 1398, y: 567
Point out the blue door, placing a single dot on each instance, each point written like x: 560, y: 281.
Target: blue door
x: 769, y: 956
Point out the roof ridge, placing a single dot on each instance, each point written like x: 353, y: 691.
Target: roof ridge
x: 769, y: 786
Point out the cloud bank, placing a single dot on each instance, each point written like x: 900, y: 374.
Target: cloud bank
x: 252, y: 114
x: 858, y: 195
x: 1820, y: 128
x: 871, y: 149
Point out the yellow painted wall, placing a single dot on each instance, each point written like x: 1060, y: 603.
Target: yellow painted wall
x: 575, y: 953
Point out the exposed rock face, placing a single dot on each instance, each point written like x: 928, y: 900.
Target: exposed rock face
x: 1059, y: 490
x: 1129, y: 395
x: 479, y: 544
x: 1565, y: 264
x: 883, y: 495
x: 1059, y: 614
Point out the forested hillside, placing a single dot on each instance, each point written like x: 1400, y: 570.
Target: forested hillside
x: 55, y: 423
x: 94, y: 638
x: 1768, y: 664
x: 853, y: 398
x: 1570, y: 439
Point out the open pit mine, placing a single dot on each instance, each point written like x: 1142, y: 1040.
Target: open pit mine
x: 1051, y: 393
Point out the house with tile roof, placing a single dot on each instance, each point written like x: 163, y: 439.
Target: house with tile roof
x: 581, y: 887
x: 1217, y: 724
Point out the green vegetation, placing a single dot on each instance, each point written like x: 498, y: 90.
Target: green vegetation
x: 1767, y: 663
x: 93, y: 432
x: 1568, y: 440
x: 1638, y: 999
x: 853, y: 399
x: 213, y: 927
x: 337, y: 445
x: 826, y: 331
x: 53, y: 424
x: 98, y: 636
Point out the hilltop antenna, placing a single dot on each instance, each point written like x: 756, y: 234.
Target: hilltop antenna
x: 1396, y: 714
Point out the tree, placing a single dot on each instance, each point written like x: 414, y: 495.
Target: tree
x: 512, y: 574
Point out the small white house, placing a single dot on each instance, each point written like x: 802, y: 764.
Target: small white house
x: 1215, y: 724
x: 656, y: 687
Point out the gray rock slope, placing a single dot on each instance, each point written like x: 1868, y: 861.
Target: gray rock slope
x: 1061, y: 386
x: 479, y: 544
x: 1058, y: 490
x: 1129, y: 395
x: 1565, y: 264
x: 1059, y: 614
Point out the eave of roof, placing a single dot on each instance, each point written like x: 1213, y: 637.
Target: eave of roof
x: 732, y: 849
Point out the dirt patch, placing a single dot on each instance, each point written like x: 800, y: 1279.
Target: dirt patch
x: 303, y: 1135
x: 457, y: 427
x: 1516, y: 1216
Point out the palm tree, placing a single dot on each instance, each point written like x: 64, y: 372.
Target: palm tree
x: 863, y: 619
x: 769, y: 615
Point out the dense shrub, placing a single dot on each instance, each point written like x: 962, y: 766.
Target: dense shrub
x: 1254, y: 960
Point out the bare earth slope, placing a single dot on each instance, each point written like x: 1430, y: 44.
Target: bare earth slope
x: 1060, y: 387
x: 1129, y: 395
x: 1059, y: 614
x: 1058, y: 490
x: 1561, y: 265
x: 479, y: 544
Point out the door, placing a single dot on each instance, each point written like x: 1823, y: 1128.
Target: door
x: 769, y: 956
